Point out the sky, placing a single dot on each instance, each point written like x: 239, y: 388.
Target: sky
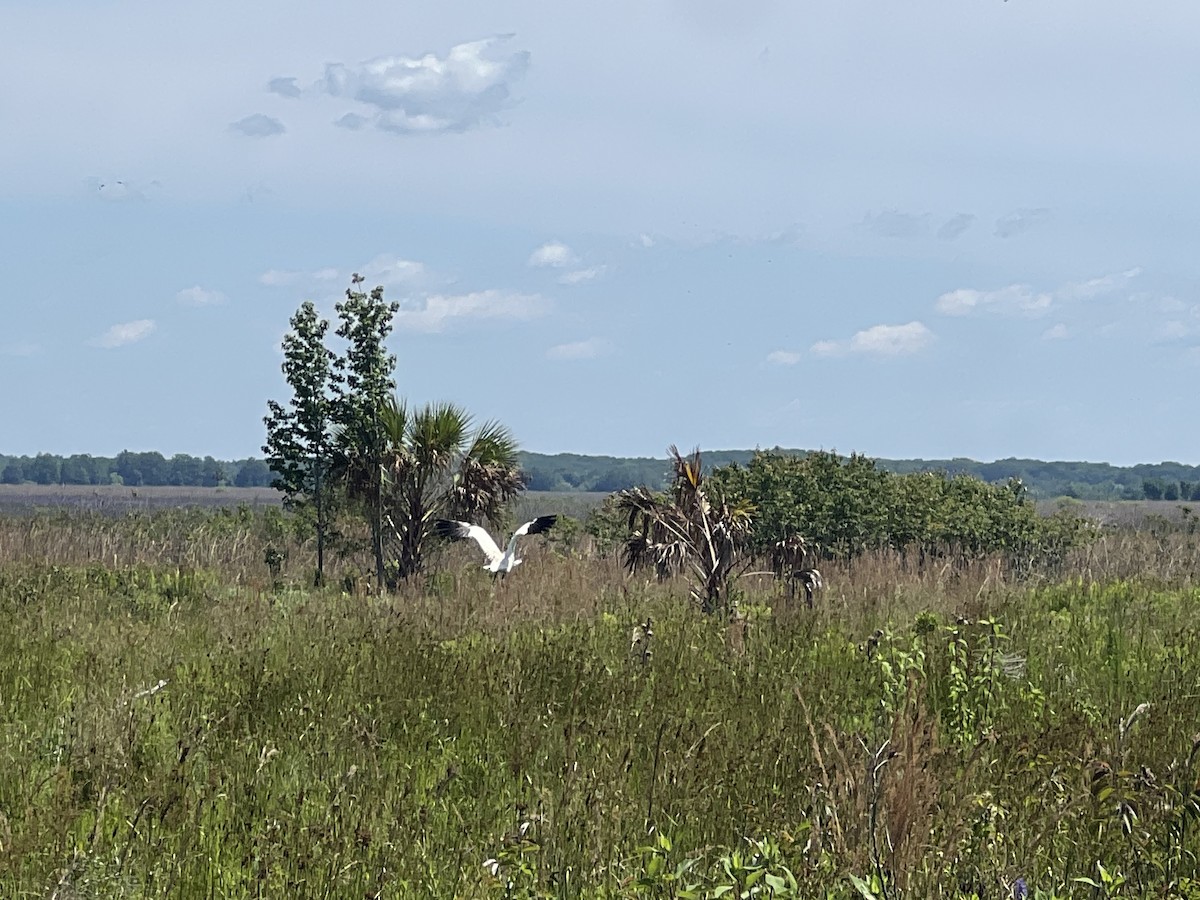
x: 930, y: 230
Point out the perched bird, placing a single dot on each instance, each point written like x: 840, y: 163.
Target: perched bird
x: 500, y: 562
x: 810, y: 580
x: 871, y: 644
x: 639, y: 642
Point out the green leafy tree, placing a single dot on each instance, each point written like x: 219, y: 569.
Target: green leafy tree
x: 137, y: 469
x: 82, y: 469
x: 253, y: 473
x: 212, y: 473
x: 299, y: 447
x: 44, y: 469
x: 436, y: 465
x: 833, y: 503
x: 362, y: 385
x: 185, y: 469
x: 842, y: 507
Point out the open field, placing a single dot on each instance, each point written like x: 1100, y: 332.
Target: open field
x: 118, y: 499
x: 177, y: 722
x: 1127, y: 513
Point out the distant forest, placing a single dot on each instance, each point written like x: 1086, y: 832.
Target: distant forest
x: 574, y: 472
x: 1082, y: 480
x: 134, y: 469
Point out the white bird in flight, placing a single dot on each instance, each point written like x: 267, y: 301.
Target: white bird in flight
x: 500, y: 562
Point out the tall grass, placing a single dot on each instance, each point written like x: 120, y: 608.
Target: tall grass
x: 177, y: 722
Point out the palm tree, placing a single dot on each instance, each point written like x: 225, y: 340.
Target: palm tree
x: 686, y: 529
x: 435, y: 465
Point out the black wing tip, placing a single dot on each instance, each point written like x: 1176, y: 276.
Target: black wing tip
x: 445, y: 528
x: 543, y: 523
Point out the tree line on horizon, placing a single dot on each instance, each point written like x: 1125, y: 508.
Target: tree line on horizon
x: 135, y: 469
x: 574, y: 472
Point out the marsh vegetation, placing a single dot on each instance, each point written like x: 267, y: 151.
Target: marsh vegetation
x: 185, y: 716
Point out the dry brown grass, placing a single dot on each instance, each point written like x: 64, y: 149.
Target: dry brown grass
x: 115, y: 499
x: 560, y: 581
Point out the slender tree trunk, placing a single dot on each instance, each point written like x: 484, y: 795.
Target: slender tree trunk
x: 410, y: 558
x: 377, y: 535
x: 319, y: 578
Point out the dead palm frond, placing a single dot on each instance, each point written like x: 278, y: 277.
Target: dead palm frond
x: 688, y: 531
x: 790, y: 562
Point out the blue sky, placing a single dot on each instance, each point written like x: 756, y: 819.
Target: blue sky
x: 942, y: 229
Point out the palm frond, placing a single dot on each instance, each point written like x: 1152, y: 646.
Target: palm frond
x: 438, y: 433
x: 684, y: 530
x: 493, y: 444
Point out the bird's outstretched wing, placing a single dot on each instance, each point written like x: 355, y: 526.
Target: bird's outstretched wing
x: 533, y: 526
x: 457, y: 531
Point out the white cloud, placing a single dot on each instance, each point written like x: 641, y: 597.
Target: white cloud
x: 783, y: 357
x: 434, y: 312
x: 581, y: 275
x: 1021, y: 299
x: 124, y: 333
x: 258, y: 126
x: 423, y: 307
x: 879, y: 340
x: 1021, y: 220
x: 1174, y: 331
x: 1183, y: 326
x: 389, y: 271
x: 198, y: 296
x: 279, y: 278
x: 1167, y: 304
x: 589, y: 349
x: 1095, y: 287
x: 403, y: 280
x: 1014, y: 298
x: 464, y: 89
x: 555, y: 254
x: 288, y: 277
x: 646, y: 240
x: 1057, y: 332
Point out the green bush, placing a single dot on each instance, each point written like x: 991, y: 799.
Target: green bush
x: 846, y: 506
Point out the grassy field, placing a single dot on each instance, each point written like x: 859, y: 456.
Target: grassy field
x: 177, y: 721
x: 116, y: 499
